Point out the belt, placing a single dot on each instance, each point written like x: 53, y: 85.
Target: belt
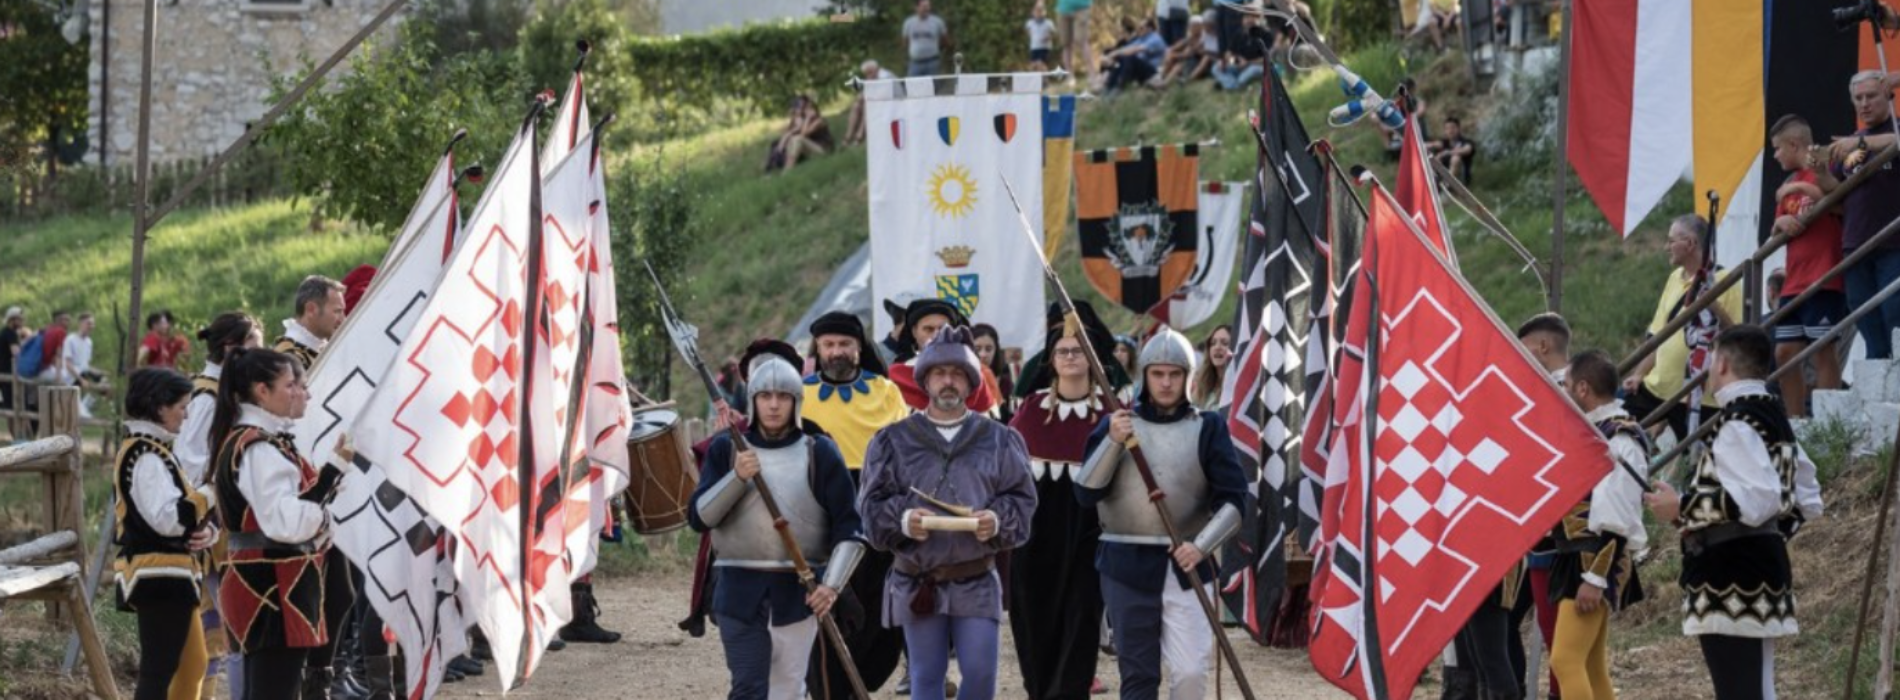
x: 950, y: 573
x: 258, y: 540
x: 1701, y: 540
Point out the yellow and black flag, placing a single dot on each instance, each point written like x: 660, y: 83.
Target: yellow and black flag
x: 1135, y: 215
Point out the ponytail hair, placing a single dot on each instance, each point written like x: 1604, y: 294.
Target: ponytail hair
x: 226, y: 333
x: 243, y: 369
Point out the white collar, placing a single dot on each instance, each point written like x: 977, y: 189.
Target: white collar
x: 295, y: 331
x: 1065, y: 409
x: 1558, y: 375
x: 213, y: 370
x: 255, y: 416
x: 149, y: 429
x: 1740, y: 388
x: 1613, y: 409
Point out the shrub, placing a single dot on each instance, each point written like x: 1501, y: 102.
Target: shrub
x: 755, y: 69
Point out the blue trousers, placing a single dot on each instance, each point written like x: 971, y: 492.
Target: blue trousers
x: 1864, y: 280
x: 930, y: 640
x: 766, y: 662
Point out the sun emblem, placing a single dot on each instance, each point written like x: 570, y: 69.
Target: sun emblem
x: 952, y: 192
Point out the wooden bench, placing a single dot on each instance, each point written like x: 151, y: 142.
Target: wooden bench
x: 52, y: 568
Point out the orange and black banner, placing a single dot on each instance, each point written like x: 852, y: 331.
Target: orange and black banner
x: 1135, y: 215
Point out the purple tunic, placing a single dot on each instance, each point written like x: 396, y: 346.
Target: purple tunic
x: 984, y: 467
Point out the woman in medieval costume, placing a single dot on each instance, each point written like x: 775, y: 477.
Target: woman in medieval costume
x: 164, y: 528
x: 274, y: 506
x: 767, y: 620
x: 1054, y: 593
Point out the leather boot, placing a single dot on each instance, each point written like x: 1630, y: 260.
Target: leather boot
x: 586, y: 627
x: 316, y: 683
x: 1460, y: 684
x: 379, y: 677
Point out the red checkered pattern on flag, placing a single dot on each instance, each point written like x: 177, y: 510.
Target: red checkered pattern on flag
x: 446, y: 421
x: 1474, y: 454
x: 1417, y: 191
x: 1339, y: 264
x: 406, y: 559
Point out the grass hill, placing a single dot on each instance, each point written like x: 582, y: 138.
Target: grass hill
x: 765, y: 245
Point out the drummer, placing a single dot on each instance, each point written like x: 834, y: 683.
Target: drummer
x: 766, y: 618
x: 850, y: 398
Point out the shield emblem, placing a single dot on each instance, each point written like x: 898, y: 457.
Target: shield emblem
x: 947, y: 128
x: 1137, y: 223
x: 897, y: 134
x: 1005, y: 126
x: 960, y: 290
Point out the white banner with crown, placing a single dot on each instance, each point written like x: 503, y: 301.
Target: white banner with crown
x: 941, y: 223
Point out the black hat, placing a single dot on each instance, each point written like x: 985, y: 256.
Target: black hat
x: 847, y: 324
x: 1038, y: 373
x: 923, y: 308
x: 768, y: 347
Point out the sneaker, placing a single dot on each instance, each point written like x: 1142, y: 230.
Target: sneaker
x: 903, y: 684
x: 1097, y: 687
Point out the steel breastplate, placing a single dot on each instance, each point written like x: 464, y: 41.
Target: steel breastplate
x: 747, y: 538
x: 1173, y: 451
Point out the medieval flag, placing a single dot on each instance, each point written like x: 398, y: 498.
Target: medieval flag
x: 1456, y: 452
x: 1262, y: 390
x: 1058, y: 170
x: 569, y: 123
x: 1218, y: 243
x: 452, y: 424
x: 941, y: 223
x: 1417, y: 190
x: 1333, y: 273
x: 1135, y: 211
x: 405, y: 556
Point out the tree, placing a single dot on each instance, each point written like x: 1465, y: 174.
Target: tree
x: 546, y: 51
x: 43, y: 92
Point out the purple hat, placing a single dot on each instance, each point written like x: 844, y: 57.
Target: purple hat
x: 950, y: 347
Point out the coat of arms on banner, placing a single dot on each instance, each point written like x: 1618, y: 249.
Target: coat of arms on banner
x: 1006, y: 126
x: 1137, y: 218
x: 959, y: 289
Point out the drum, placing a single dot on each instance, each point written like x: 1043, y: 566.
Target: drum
x: 664, y: 475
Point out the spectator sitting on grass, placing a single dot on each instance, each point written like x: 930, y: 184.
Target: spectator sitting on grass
x: 1138, y: 61
x: 1192, y: 56
x: 1243, y: 63
x: 806, y: 133
x: 1455, y: 151
x: 854, y: 131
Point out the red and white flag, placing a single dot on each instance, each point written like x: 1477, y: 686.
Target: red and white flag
x: 448, y: 421
x: 1455, y: 453
x: 1417, y: 191
x: 570, y: 124
x: 405, y: 556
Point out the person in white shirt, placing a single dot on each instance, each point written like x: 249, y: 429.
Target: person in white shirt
x: 1042, y: 37
x: 854, y: 132
x: 1593, y: 572
x: 1752, y: 489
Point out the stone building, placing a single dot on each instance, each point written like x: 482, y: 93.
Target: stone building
x: 214, y: 62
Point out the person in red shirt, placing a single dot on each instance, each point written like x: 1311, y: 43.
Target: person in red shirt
x: 1813, y: 252
x: 53, y: 342
x: 162, y: 347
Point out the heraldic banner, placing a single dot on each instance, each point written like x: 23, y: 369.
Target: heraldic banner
x: 1216, y: 245
x: 1135, y: 211
x: 941, y: 224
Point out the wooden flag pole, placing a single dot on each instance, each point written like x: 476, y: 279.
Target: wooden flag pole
x: 1560, y: 173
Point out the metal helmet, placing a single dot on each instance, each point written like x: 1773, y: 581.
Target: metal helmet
x: 1167, y: 347
x: 771, y: 373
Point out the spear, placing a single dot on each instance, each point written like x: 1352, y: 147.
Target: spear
x: 686, y: 340
x: 1155, y: 495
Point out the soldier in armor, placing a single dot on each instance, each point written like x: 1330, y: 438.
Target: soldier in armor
x: 319, y: 315
x: 850, y: 399
x: 1593, y: 572
x: 766, y: 618
x: 274, y: 508
x: 1152, y: 611
x: 943, y: 588
x: 164, y: 530
x: 1752, y: 489
x: 1055, y: 595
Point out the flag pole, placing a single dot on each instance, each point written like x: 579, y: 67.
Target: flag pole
x: 1560, y: 173
x: 1373, y: 651
x: 524, y: 465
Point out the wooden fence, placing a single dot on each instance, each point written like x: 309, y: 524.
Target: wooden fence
x: 52, y: 568
x: 88, y: 189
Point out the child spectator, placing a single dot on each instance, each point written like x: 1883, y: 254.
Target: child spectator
x: 1811, y: 254
x: 1455, y: 151
x: 1042, y: 38
x: 162, y: 346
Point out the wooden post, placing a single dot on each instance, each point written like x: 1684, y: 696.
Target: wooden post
x: 64, y: 501
x: 1560, y: 176
x: 98, y: 665
x: 1883, y: 678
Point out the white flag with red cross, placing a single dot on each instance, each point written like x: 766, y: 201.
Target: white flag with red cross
x: 1474, y: 454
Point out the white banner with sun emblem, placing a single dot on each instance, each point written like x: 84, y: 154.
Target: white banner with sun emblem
x: 941, y: 223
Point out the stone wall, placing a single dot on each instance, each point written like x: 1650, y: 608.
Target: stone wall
x: 214, y: 62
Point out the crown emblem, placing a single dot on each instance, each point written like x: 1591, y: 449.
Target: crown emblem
x: 956, y: 256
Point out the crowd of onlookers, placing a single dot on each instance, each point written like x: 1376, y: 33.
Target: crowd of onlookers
x: 61, y: 353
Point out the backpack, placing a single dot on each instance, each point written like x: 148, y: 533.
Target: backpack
x: 27, y: 362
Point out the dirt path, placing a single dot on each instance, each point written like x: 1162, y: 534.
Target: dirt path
x: 656, y: 660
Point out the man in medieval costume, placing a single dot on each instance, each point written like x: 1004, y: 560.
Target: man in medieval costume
x: 851, y: 400
x: 767, y: 620
x: 1151, y: 609
x: 1055, y: 595
x: 923, y: 319
x: 1752, y: 489
x: 943, y: 589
